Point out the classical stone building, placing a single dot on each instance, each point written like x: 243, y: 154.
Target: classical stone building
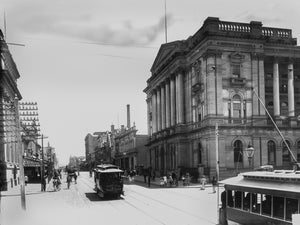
x: 10, y: 145
x: 214, y: 77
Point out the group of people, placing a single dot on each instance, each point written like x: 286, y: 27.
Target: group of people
x: 171, y: 179
x: 56, y: 177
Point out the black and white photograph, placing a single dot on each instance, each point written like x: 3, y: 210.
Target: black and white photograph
x: 138, y: 112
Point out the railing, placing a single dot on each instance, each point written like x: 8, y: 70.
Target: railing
x: 247, y: 28
x: 238, y: 27
x: 276, y: 32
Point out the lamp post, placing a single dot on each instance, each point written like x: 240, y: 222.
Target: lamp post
x: 250, y: 152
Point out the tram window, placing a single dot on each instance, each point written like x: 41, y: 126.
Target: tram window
x: 266, y: 204
x: 291, y: 208
x: 256, y: 200
x: 230, y: 198
x: 238, y: 199
x: 278, y: 207
x: 246, y: 201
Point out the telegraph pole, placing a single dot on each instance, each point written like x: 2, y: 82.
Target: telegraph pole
x: 21, y: 151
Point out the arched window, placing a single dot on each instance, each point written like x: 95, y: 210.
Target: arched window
x: 238, y: 151
x: 286, y: 158
x: 271, y: 153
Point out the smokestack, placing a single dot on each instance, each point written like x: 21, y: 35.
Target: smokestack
x: 112, y: 128
x: 128, y: 116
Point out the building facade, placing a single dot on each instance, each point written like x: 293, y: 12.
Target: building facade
x: 10, y: 144
x: 129, y: 147
x: 218, y: 77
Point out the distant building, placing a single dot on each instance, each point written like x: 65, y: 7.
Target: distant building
x: 9, y: 118
x: 30, y: 128
x: 130, y: 149
x: 208, y: 79
x: 98, y: 148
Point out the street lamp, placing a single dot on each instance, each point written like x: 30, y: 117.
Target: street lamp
x: 249, y: 152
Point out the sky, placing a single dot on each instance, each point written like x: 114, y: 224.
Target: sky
x: 84, y: 61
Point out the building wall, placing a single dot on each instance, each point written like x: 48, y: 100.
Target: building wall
x: 10, y: 148
x: 208, y: 80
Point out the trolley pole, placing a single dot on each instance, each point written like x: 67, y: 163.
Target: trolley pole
x: 217, y: 172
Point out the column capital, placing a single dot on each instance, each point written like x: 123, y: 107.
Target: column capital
x: 211, y: 53
x: 258, y: 56
x: 291, y: 60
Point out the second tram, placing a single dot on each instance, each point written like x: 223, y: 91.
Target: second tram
x: 262, y: 197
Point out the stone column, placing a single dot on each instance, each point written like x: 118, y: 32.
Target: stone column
x: 211, y: 84
x: 148, y: 115
x: 158, y: 110
x: 163, y: 107
x: 154, y: 122
x: 180, y: 98
x: 176, y: 99
x: 194, y: 109
x: 173, y: 101
x: 291, y: 99
x: 168, y: 104
x: 276, y: 101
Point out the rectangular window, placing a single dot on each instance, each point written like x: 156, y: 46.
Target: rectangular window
x: 266, y: 204
x: 246, y: 201
x: 230, y: 197
x: 256, y: 201
x: 236, y: 70
x: 278, y: 207
x: 291, y: 208
x: 238, y: 199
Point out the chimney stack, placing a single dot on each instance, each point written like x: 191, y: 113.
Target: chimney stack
x: 128, y: 116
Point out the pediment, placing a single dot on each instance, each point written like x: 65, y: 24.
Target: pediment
x: 165, y: 52
x: 237, y: 57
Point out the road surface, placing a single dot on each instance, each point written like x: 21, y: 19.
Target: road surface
x: 80, y: 205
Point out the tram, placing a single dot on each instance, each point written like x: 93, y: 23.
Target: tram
x: 108, y: 180
x: 262, y: 197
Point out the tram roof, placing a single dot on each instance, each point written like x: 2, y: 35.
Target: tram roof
x: 107, y: 168
x: 286, y: 181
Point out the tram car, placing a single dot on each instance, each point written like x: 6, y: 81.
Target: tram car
x: 108, y: 180
x: 262, y: 197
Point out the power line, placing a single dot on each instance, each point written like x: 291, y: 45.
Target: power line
x: 95, y: 43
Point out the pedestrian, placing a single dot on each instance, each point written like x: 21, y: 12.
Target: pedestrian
x: 75, y: 177
x: 214, y: 184
x: 26, y: 180
x: 44, y: 183
x: 91, y: 173
x: 69, y: 180
x: 145, y: 176
x: 203, y: 181
x: 149, y: 176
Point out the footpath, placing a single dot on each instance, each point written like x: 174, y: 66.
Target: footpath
x: 156, y: 183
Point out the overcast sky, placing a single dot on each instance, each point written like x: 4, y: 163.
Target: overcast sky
x: 83, y: 61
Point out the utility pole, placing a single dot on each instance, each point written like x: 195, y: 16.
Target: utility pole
x: 217, y: 172
x: 21, y: 153
x: 42, y: 162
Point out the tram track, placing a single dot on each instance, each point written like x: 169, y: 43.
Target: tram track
x: 143, y: 201
x: 170, y: 206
